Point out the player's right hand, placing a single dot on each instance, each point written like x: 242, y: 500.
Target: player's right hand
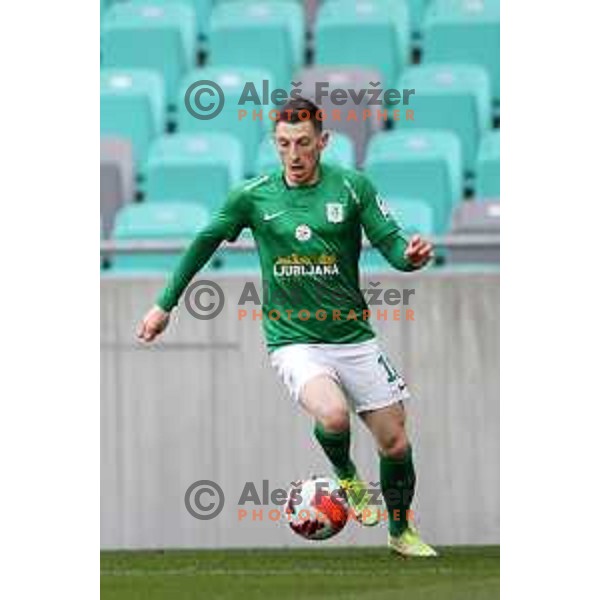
x: 153, y: 324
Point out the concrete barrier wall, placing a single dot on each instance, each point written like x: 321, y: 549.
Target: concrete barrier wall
x: 204, y: 403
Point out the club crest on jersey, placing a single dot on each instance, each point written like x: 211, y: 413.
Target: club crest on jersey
x: 303, y: 233
x: 335, y: 212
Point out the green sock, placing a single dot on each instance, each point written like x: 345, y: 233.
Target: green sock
x: 337, y: 448
x: 398, y: 481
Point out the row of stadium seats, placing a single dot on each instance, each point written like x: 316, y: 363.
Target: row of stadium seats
x: 200, y: 170
x: 203, y: 8
x: 449, y: 96
x: 181, y: 221
x: 161, y: 35
x: 182, y: 166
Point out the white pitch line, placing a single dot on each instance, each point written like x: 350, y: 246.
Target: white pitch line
x: 259, y: 573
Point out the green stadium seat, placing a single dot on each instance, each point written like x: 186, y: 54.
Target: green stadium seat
x: 414, y: 215
x: 417, y: 10
x: 421, y: 164
x: 150, y: 221
x: 340, y: 151
x: 487, y: 175
x: 232, y: 80
x: 265, y: 35
x: 148, y: 36
x: 201, y: 8
x: 309, y: 7
x: 299, y: 2
x: 194, y: 168
x: 450, y: 96
x: 370, y: 34
x: 465, y: 31
x: 132, y: 106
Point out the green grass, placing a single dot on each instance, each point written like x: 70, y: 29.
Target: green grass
x: 461, y: 573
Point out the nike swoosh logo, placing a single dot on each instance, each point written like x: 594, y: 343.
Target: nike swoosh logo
x: 270, y: 217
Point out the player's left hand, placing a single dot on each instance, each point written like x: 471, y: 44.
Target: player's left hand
x: 419, y: 251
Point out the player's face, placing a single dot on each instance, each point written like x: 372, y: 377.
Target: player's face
x: 299, y: 146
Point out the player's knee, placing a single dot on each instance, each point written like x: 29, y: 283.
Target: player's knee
x: 336, y: 420
x: 396, y: 445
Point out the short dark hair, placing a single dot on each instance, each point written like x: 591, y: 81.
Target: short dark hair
x: 298, y: 110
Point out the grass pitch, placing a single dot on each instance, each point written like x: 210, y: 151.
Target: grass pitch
x: 461, y: 573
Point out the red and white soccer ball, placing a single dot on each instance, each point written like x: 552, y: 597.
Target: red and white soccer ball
x: 317, y: 509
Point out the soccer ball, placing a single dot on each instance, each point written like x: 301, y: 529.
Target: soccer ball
x: 317, y: 509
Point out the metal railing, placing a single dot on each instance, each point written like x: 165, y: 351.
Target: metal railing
x: 454, y: 241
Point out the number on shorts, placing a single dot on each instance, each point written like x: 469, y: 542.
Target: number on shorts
x: 389, y: 369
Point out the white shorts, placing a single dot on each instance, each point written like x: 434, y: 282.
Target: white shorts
x: 363, y: 371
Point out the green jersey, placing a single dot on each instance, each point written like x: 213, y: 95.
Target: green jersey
x: 309, y: 241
